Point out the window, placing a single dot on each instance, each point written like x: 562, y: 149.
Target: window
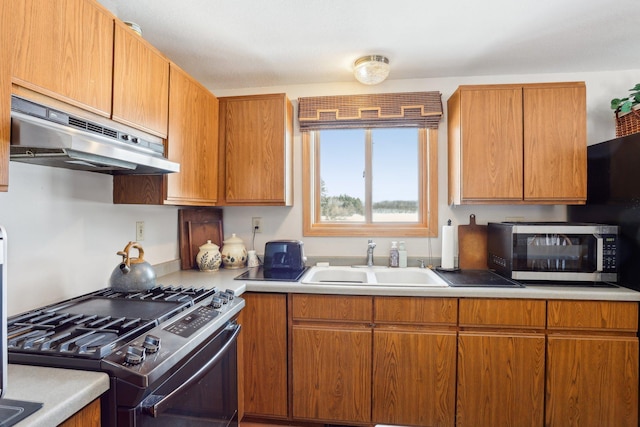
x: 370, y: 164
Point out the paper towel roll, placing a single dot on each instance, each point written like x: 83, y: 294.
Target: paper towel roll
x: 447, y: 247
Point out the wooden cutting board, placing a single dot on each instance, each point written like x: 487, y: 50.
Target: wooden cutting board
x: 472, y: 245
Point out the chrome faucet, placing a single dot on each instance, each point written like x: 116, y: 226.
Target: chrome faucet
x: 370, y: 246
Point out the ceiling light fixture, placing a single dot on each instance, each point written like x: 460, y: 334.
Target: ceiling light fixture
x: 371, y: 69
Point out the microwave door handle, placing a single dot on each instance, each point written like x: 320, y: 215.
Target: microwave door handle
x: 158, y: 404
x: 599, y: 253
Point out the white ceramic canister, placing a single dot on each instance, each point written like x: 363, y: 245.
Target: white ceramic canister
x: 234, y: 254
x: 209, y: 257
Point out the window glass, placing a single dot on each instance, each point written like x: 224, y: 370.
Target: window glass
x: 395, y: 178
x: 370, y: 182
x: 342, y: 184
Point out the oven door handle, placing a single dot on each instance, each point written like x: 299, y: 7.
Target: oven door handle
x: 160, y: 404
x: 599, y: 253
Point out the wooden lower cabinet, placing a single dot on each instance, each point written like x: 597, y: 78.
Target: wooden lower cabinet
x: 89, y: 416
x: 264, y: 355
x: 414, y: 378
x: 501, y: 363
x: 426, y: 361
x: 592, y: 364
x: 332, y: 373
x: 331, y: 358
x: 500, y: 380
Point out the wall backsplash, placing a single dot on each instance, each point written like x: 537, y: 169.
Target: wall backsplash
x: 64, y: 231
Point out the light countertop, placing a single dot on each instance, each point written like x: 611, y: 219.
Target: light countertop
x: 62, y: 391
x: 224, y: 279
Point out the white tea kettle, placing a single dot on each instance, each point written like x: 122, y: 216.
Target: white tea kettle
x: 132, y: 274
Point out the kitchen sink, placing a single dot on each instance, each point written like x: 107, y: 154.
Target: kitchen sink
x: 370, y: 276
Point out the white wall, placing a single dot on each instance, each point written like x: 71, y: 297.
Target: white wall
x: 64, y: 231
x: 278, y: 222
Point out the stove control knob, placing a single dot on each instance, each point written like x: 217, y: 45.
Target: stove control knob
x: 135, y: 355
x: 151, y: 343
x: 216, y: 302
x: 229, y: 294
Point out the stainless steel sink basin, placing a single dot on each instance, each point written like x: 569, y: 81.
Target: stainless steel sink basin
x: 380, y: 276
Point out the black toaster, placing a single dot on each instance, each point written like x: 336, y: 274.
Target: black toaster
x: 284, y: 255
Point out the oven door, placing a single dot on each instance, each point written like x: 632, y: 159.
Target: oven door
x: 201, y: 392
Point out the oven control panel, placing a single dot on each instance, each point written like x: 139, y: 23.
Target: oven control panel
x: 189, y: 324
x: 151, y: 355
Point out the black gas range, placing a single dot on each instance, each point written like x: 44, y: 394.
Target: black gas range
x: 154, y: 345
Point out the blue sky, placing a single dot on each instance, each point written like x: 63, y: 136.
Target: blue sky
x: 395, y: 165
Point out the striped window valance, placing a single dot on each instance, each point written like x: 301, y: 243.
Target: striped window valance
x: 409, y: 109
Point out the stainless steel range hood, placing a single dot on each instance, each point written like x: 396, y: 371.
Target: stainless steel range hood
x: 46, y: 136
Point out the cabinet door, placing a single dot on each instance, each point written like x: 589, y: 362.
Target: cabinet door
x: 414, y: 378
x: 64, y: 49
x: 332, y: 373
x: 592, y: 381
x: 555, y: 143
x: 140, y: 83
x: 192, y: 141
x: 264, y: 353
x: 491, y: 144
x: 500, y: 380
x: 257, y: 155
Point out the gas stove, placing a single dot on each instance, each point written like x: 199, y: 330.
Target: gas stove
x: 142, y: 340
x: 93, y: 325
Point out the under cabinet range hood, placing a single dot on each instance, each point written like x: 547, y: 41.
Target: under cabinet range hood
x: 45, y: 136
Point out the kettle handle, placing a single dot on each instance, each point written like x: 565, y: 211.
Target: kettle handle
x: 138, y: 246
x: 126, y: 260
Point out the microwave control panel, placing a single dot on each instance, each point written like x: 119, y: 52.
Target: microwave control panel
x: 609, y: 263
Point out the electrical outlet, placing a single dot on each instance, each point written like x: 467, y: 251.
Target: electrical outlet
x: 256, y: 224
x: 139, y: 231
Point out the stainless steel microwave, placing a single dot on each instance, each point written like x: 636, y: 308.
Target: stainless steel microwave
x: 553, y: 251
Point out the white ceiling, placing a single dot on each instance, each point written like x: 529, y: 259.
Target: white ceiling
x: 229, y: 44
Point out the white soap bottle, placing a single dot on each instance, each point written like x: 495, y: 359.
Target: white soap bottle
x: 393, y: 255
x: 402, y: 255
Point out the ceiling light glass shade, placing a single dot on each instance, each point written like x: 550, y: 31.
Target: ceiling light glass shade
x: 371, y: 69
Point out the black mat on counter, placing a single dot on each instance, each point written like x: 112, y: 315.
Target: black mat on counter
x: 477, y: 278
x: 13, y: 411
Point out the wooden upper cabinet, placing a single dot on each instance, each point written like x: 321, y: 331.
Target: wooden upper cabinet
x: 518, y: 144
x: 489, y: 149
x: 555, y: 143
x: 192, y: 141
x: 256, y: 150
x: 64, y: 49
x: 140, y: 83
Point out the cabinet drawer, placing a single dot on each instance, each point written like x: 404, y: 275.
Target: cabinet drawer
x: 415, y: 310
x: 332, y: 307
x: 503, y: 312
x: 601, y: 315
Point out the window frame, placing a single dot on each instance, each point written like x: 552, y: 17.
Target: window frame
x: 428, y: 203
